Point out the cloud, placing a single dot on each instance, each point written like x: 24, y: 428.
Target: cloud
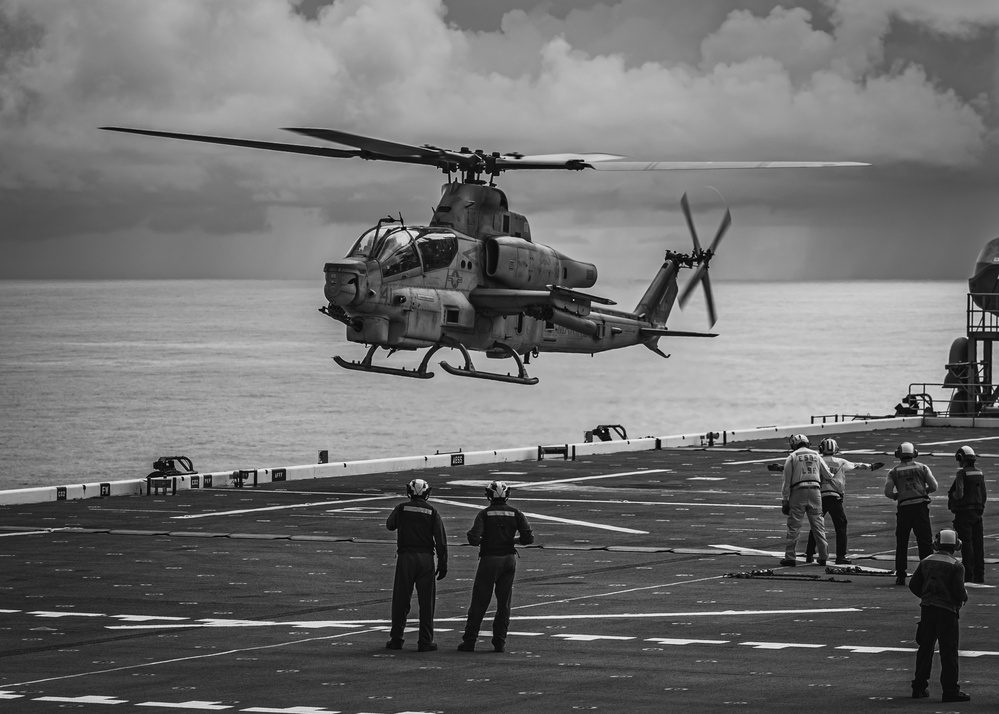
x: 819, y: 80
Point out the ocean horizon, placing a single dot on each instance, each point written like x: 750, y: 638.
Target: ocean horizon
x: 100, y: 378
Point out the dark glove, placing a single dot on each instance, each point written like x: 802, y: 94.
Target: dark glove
x: 876, y: 465
x: 441, y: 572
x: 775, y: 467
x: 785, y: 508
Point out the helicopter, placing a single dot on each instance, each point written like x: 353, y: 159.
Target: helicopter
x: 473, y: 278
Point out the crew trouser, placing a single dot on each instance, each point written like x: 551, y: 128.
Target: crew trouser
x: 912, y: 519
x: 805, y: 501
x: 970, y: 530
x: 414, y: 569
x: 494, y: 572
x: 833, y: 505
x: 937, y: 624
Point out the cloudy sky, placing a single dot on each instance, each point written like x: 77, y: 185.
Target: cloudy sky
x: 908, y: 85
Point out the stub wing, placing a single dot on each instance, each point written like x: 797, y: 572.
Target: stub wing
x: 508, y: 301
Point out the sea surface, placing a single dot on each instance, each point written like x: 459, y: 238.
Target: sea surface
x: 100, y: 378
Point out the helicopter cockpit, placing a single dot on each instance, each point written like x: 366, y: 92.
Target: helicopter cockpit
x: 401, y: 249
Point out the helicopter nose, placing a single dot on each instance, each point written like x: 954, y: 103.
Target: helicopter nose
x: 343, y: 284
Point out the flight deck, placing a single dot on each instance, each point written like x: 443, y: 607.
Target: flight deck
x: 653, y: 584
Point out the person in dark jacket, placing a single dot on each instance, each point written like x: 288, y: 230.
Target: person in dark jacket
x: 939, y: 583
x: 966, y: 500
x: 420, y: 532
x: 495, y: 532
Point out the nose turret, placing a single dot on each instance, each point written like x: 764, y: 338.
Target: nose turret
x: 346, y: 282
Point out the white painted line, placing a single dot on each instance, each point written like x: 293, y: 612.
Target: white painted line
x: 543, y: 484
x: 716, y: 613
x: 294, y: 710
x: 24, y: 533
x: 44, y: 613
x: 88, y: 699
x: 959, y: 441
x: 622, y: 502
x: 742, y: 549
x: 194, y: 657
x: 707, y: 478
x: 593, y: 638
x: 542, y: 517
x: 196, y: 704
x: 875, y: 650
x: 779, y: 645
x: 312, y: 504
x: 10, y: 695
x: 675, y: 641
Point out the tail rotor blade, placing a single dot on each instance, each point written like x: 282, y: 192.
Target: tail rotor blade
x: 692, y: 283
x: 685, y: 205
x: 726, y: 222
x: 709, y: 298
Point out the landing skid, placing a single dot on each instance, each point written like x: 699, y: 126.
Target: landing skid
x: 468, y: 370
x: 366, y: 366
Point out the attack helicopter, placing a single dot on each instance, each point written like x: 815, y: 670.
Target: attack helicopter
x: 474, y: 279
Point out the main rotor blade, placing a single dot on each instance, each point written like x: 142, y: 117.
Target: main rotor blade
x: 570, y: 162
x: 378, y: 146
x: 707, y: 165
x: 248, y: 143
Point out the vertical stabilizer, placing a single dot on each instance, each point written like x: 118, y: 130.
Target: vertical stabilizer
x: 657, y: 302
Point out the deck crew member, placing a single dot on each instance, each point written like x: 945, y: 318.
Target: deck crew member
x: 804, y: 470
x: 420, y: 532
x: 495, y: 531
x: 833, y: 491
x: 966, y: 500
x: 910, y: 485
x: 939, y: 583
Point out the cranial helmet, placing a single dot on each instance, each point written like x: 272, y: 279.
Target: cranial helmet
x: 798, y: 440
x: 965, y: 455
x: 497, y: 491
x: 828, y: 447
x: 906, y: 450
x: 946, y: 538
x: 418, y: 488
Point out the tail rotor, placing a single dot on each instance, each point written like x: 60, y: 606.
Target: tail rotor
x: 702, y: 258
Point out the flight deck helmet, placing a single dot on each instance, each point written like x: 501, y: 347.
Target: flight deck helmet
x: 418, y: 488
x: 965, y: 455
x: 797, y: 441
x: 947, y: 538
x: 828, y: 447
x: 497, y: 491
x: 906, y: 451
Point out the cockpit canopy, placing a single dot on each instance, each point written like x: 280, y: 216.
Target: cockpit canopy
x: 402, y: 249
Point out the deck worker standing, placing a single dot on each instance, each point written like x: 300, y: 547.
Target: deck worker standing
x: 804, y: 470
x: 939, y: 583
x: 966, y: 500
x: 420, y: 532
x: 833, y: 491
x: 495, y: 532
x: 910, y: 485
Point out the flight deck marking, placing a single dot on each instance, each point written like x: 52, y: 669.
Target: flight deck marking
x: 194, y: 657
x: 623, y: 502
x: 556, y: 519
x: 280, y: 508
x: 958, y: 441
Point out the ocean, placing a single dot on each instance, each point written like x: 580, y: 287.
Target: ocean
x: 100, y: 378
